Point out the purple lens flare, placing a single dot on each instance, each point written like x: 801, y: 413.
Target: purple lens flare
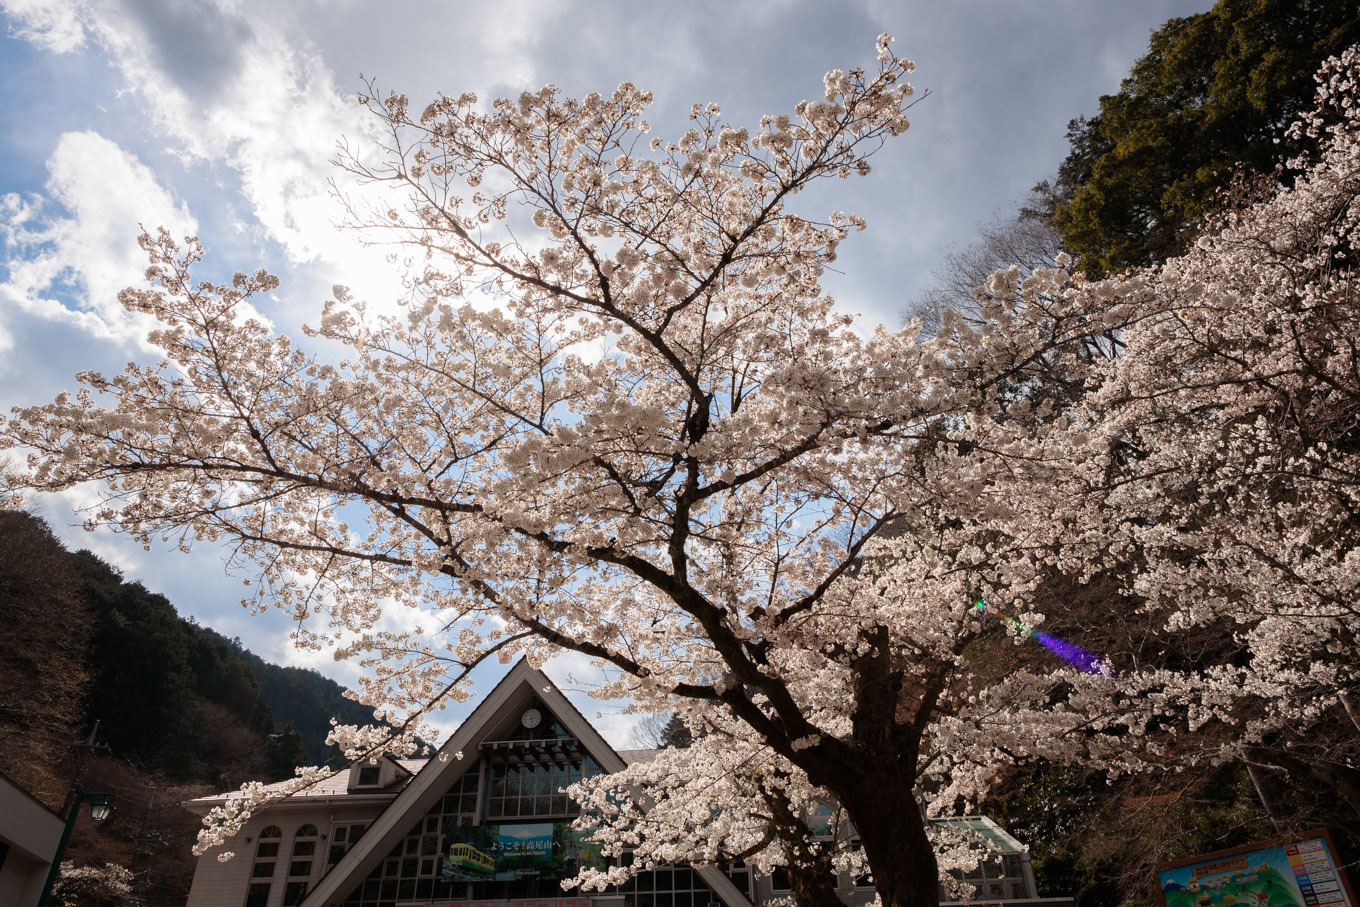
x: 1071, y: 653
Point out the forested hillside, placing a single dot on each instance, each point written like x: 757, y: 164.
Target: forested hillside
x: 300, y: 698
x: 182, y: 710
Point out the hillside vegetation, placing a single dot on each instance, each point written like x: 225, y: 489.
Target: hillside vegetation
x: 183, y: 711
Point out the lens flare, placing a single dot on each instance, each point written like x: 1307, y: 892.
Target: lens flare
x: 1071, y: 653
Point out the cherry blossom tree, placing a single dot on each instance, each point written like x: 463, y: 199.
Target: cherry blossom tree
x: 1230, y: 421
x: 622, y: 419
x: 643, y: 434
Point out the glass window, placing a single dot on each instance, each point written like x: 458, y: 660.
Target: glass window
x: 266, y: 858
x: 819, y: 820
x: 300, y: 870
x: 531, y: 789
x: 368, y: 775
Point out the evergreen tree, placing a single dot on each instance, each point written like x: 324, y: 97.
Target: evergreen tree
x: 1214, y: 92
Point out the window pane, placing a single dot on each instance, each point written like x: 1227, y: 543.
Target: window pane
x: 304, y: 848
x: 264, y: 870
x: 257, y: 896
x: 300, y: 868
x: 267, y: 850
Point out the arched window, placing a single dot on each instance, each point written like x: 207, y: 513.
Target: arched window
x: 300, y: 865
x: 262, y: 870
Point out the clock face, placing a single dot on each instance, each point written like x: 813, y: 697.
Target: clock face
x: 530, y: 718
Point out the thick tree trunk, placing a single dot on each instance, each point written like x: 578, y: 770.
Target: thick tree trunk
x: 888, y: 820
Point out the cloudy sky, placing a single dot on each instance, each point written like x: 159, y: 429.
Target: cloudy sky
x: 218, y: 117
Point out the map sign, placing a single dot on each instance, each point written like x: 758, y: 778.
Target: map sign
x: 506, y: 853
x: 1296, y: 873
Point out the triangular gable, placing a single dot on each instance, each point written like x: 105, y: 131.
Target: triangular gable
x: 521, y: 683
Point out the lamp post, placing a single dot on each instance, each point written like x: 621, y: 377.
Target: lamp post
x: 99, y: 811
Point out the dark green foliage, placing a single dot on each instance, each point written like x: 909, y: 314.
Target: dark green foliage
x: 677, y: 734
x: 300, y: 697
x: 1213, y: 92
x: 181, y: 700
x: 283, y: 753
x: 163, y: 689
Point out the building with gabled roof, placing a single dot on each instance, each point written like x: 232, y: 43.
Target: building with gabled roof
x: 484, y: 823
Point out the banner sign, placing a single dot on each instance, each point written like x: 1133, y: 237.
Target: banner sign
x: 506, y: 853
x: 1294, y: 873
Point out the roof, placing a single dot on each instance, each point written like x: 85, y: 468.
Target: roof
x: 633, y: 757
x: 336, y: 785
x: 991, y: 834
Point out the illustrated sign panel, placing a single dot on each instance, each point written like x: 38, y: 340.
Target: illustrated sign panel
x: 505, y: 853
x: 1300, y: 873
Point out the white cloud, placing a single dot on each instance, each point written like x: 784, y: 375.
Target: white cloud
x: 52, y: 26
x: 71, y: 252
x: 228, y: 84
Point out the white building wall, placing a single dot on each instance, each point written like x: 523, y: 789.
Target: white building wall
x: 32, y: 833
x: 219, y: 884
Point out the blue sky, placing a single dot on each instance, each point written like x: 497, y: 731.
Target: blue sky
x: 219, y: 116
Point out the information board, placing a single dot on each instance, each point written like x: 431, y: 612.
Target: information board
x: 1300, y: 872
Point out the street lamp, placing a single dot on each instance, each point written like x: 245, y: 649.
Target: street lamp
x: 99, y: 811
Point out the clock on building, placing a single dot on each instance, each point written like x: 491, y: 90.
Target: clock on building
x: 531, y: 718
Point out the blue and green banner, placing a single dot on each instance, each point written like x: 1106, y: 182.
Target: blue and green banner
x: 534, y: 850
